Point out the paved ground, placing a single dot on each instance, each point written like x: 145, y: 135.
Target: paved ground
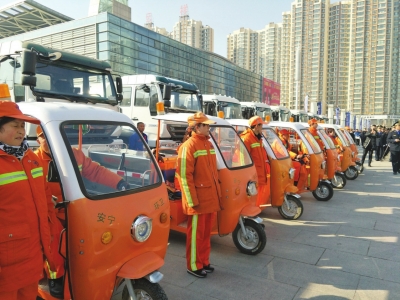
x: 346, y: 248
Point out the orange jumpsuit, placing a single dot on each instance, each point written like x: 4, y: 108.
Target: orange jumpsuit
x: 90, y: 170
x: 198, y: 178
x: 260, y: 159
x: 314, y: 132
x: 25, y: 212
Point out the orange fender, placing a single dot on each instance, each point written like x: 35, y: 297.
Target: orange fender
x: 250, y: 210
x: 141, y: 266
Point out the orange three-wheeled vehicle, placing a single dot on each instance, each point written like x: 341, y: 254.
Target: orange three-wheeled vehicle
x: 282, y: 191
x: 237, y: 176
x: 114, y: 239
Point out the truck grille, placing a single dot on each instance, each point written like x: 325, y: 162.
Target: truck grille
x: 177, y: 132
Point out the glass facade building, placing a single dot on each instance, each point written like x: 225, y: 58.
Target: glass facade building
x: 133, y: 49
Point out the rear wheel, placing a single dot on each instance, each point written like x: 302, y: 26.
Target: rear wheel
x: 338, y: 181
x: 255, y: 239
x: 293, y: 211
x: 351, y: 173
x: 324, y: 191
x: 145, y: 290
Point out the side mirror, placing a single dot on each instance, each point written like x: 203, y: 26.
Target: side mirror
x: 167, y: 93
x: 29, y: 59
x: 52, y: 175
x: 118, y: 82
x: 167, y: 103
x: 201, y: 102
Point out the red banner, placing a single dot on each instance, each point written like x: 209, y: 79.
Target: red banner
x: 271, y: 93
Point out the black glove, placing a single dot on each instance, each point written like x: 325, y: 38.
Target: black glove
x: 123, y: 185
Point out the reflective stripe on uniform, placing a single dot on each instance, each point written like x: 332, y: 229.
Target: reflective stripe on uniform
x: 193, y: 245
x: 185, y: 186
x: 37, y: 172
x: 254, y: 145
x: 80, y: 168
x: 212, y: 151
x: 200, y: 153
x: 12, y: 177
x: 53, y: 275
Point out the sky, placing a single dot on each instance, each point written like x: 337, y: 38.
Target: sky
x: 224, y: 16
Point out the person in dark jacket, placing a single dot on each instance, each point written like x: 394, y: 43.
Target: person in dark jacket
x: 394, y: 143
x: 369, y: 146
x: 380, y: 142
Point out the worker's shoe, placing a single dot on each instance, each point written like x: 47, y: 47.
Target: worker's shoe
x: 208, y: 269
x: 198, y: 273
x: 56, y: 287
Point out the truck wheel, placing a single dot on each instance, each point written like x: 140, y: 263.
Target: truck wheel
x: 145, y: 290
x: 324, y: 192
x: 255, y: 239
x: 351, y: 173
x: 339, y: 181
x: 294, y: 211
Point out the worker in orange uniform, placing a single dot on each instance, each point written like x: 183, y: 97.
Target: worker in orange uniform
x: 252, y: 139
x: 296, y: 157
x: 201, y: 194
x: 314, y: 131
x: 90, y: 170
x: 25, y: 211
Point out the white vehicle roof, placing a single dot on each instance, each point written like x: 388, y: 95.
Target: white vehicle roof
x: 138, y: 79
x: 182, y: 118
x: 294, y: 125
x: 242, y: 122
x: 324, y: 125
x: 257, y: 104
x: 220, y: 98
x: 297, y: 111
x: 60, y: 111
x: 278, y: 108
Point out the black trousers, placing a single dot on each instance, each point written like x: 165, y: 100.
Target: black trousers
x: 368, y: 151
x: 395, y: 156
x: 378, y: 152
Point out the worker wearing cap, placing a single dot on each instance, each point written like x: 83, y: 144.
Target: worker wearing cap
x: 394, y: 142
x: 25, y: 210
x: 198, y: 178
x: 90, y: 170
x: 314, y: 131
x: 252, y: 139
x: 284, y: 137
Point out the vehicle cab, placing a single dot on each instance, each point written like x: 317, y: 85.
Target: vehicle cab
x: 212, y: 104
x: 300, y: 116
x: 118, y: 234
x: 280, y: 113
x: 251, y: 109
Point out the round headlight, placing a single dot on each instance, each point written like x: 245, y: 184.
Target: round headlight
x: 141, y: 228
x: 252, y: 188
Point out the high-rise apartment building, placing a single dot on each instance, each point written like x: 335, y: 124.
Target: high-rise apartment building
x: 119, y: 8
x: 269, y: 51
x: 193, y: 33
x: 285, y: 64
x: 242, y: 48
x: 338, y: 54
x: 374, y: 58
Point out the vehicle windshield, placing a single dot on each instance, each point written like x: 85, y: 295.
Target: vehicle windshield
x: 311, y: 140
x: 183, y: 100
x: 304, y: 118
x: 275, y: 143
x: 66, y: 81
x: 327, y: 138
x: 342, y: 138
x: 285, y: 115
x: 348, y: 137
x: 231, y: 147
x: 263, y: 112
x: 104, y: 161
x: 231, y: 110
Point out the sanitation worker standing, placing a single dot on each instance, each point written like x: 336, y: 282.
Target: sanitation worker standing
x: 252, y: 138
x: 198, y: 178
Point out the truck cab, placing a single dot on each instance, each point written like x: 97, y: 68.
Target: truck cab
x: 141, y: 93
x: 212, y: 104
x: 300, y: 116
x: 251, y: 109
x: 280, y: 113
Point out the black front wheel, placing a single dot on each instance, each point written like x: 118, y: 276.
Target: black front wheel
x: 291, y: 210
x: 351, y: 173
x: 324, y: 191
x: 145, y: 290
x: 253, y: 241
x: 339, y: 181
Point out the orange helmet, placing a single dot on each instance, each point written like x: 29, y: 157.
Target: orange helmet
x: 253, y: 121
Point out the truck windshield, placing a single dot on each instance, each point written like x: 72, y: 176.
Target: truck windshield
x: 66, y: 81
x: 263, y: 112
x: 231, y: 110
x: 285, y: 115
x: 103, y: 160
x: 231, y: 147
x: 304, y: 118
x: 185, y: 100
